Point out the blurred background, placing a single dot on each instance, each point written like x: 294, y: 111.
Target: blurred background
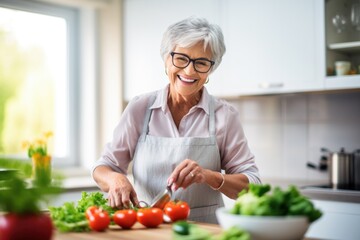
x: 292, y: 69
x: 71, y: 66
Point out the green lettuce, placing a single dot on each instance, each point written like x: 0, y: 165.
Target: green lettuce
x: 258, y: 200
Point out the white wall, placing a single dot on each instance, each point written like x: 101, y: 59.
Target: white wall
x: 286, y: 131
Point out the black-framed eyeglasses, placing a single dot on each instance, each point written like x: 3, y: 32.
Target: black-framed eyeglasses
x: 201, y: 65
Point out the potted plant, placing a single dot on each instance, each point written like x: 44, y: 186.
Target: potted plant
x: 21, y: 200
x: 37, y: 150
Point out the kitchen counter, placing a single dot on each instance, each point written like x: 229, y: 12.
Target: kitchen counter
x: 316, y: 190
x: 163, y: 232
x: 330, y: 194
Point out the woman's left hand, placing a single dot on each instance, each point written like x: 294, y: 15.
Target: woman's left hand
x: 185, y: 174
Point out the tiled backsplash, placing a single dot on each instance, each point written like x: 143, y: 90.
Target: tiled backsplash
x: 287, y: 131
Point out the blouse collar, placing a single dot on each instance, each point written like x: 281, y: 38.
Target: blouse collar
x: 161, y: 100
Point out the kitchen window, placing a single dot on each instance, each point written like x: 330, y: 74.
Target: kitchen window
x: 39, y: 87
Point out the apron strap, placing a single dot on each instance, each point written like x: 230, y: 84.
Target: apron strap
x: 147, y: 117
x: 212, y: 117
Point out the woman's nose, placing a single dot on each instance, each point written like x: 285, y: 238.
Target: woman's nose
x: 190, y: 68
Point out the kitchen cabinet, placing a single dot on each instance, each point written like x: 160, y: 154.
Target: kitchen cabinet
x: 272, y: 47
x: 342, y: 42
x: 340, y: 220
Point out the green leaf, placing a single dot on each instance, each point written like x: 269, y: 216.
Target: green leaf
x: 259, y: 201
x: 17, y: 196
x: 23, y: 166
x: 70, y: 217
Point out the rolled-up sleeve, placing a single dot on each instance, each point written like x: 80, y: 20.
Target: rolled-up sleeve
x: 234, y: 150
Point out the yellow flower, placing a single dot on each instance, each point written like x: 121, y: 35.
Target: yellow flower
x: 40, y: 160
x: 25, y: 144
x: 48, y: 134
x: 39, y: 142
x: 37, y: 147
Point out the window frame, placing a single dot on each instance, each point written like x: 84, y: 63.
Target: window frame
x: 72, y: 18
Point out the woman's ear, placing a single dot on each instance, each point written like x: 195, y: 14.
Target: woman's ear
x: 166, y: 69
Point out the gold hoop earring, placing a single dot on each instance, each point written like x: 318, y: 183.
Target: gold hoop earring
x: 207, y: 80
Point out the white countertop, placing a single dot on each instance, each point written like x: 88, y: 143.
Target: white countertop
x: 313, y: 190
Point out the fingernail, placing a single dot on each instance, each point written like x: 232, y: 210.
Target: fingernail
x: 170, y: 181
x: 173, y: 188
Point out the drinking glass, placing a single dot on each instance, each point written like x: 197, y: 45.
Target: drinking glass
x: 355, y: 15
x: 339, y: 21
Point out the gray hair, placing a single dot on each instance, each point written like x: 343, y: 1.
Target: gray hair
x: 189, y: 32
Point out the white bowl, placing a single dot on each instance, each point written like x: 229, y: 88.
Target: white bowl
x: 265, y: 227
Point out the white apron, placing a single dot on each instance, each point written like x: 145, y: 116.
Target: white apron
x: 156, y: 157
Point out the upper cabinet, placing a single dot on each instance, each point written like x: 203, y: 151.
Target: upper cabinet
x: 272, y: 47
x: 342, y: 24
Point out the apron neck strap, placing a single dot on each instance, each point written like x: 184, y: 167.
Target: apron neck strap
x: 211, y: 116
x: 148, y: 115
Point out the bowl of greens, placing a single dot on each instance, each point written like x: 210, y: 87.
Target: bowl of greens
x: 265, y: 214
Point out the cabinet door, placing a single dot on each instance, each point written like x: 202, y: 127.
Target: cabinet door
x: 144, y: 23
x: 340, y: 220
x: 272, y: 46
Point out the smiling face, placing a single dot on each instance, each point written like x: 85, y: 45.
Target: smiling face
x: 186, y: 82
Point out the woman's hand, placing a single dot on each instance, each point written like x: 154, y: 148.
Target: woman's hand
x: 185, y: 174
x: 120, y: 191
x: 189, y: 172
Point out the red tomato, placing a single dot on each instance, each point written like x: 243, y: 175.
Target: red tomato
x: 27, y: 226
x: 125, y: 218
x: 177, y: 210
x: 150, y: 217
x: 91, y: 211
x: 99, y: 219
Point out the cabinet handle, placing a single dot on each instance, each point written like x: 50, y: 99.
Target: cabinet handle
x: 271, y: 85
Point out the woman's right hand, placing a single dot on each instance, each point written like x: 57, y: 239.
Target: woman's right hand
x: 121, y: 193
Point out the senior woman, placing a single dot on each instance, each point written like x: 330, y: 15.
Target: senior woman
x: 180, y: 136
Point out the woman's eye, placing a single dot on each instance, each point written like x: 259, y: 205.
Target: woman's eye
x: 202, y: 63
x: 182, y: 59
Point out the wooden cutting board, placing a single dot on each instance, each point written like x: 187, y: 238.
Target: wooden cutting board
x: 138, y: 232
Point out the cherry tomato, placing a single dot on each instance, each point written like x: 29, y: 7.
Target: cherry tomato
x: 125, y: 218
x: 91, y: 211
x: 150, y: 217
x: 99, y: 219
x: 177, y: 210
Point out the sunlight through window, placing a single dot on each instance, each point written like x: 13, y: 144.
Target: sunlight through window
x: 34, y: 85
